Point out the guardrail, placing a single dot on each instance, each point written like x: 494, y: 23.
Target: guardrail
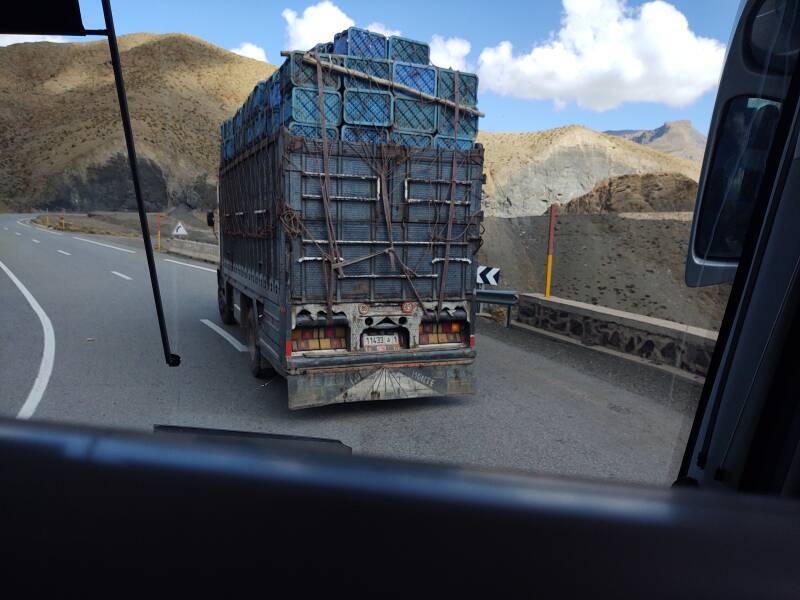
x: 507, y: 298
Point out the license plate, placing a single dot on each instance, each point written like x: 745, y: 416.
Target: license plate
x: 381, y: 343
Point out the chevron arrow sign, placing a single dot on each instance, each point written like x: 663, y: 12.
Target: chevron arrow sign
x: 488, y: 275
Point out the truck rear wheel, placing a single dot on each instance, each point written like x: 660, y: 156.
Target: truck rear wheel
x: 259, y: 367
x: 225, y: 308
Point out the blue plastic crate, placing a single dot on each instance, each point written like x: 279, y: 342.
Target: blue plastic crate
x: 368, y: 107
x: 302, y: 106
x: 467, y: 123
x: 274, y: 89
x: 365, y: 135
x: 415, y: 115
x: 411, y: 138
x: 296, y: 72
x: 377, y: 67
x: 360, y: 42
x: 410, y: 51
x: 312, y: 131
x: 323, y: 48
x: 451, y: 143
x: 467, y: 87
x: 419, y: 77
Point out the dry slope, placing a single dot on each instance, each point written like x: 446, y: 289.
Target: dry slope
x: 651, y: 192
x: 526, y: 172
x: 61, y: 142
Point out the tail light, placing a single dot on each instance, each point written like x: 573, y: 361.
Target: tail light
x: 449, y: 332
x: 319, y: 338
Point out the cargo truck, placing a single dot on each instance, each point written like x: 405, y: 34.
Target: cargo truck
x: 351, y: 266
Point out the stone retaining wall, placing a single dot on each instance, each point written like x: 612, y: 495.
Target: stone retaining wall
x: 662, y: 342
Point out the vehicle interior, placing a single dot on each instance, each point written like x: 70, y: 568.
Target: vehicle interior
x: 80, y: 503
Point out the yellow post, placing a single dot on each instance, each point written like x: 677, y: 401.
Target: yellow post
x: 47, y: 218
x: 61, y: 220
x: 548, y: 278
x: 158, y: 232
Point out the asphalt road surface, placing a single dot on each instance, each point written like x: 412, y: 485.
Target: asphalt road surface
x: 80, y: 344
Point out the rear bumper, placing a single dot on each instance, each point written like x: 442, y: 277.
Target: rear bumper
x: 381, y: 381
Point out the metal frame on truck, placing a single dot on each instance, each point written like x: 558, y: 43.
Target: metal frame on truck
x: 352, y: 270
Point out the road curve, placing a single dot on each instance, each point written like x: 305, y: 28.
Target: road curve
x: 541, y: 405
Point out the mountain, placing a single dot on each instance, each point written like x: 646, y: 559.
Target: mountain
x: 651, y: 192
x: 526, y: 172
x: 678, y: 138
x: 61, y: 140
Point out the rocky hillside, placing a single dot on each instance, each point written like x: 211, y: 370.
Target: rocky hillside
x: 652, y: 192
x: 61, y: 141
x: 678, y: 138
x: 526, y: 172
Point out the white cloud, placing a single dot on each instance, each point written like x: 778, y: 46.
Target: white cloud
x: 318, y: 24
x: 382, y: 29
x: 7, y: 40
x: 250, y: 50
x: 450, y: 52
x: 606, y: 54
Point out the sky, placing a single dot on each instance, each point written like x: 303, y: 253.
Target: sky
x: 606, y: 64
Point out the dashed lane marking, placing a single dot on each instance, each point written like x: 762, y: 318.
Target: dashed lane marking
x: 128, y: 250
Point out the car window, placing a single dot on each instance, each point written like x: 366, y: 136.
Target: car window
x: 442, y: 232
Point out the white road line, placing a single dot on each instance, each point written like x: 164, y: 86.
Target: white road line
x: 105, y: 245
x: 5, y: 228
x: 24, y: 224
x: 177, y: 262
x: 48, y: 351
x: 49, y: 230
x: 35, y: 241
x: 225, y: 335
x: 64, y: 253
x: 118, y: 274
x: 17, y: 233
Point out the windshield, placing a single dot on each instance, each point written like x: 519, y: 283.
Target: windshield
x: 450, y: 232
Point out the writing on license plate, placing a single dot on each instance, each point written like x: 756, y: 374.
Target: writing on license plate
x: 381, y: 343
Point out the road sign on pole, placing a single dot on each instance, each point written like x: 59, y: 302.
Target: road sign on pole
x: 488, y: 275
x: 179, y: 229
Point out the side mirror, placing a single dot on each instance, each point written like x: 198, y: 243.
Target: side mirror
x: 745, y: 137
x: 210, y: 218
x: 732, y: 185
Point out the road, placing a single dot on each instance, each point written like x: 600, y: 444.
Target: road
x: 541, y: 406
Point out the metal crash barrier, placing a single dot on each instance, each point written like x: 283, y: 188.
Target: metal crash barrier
x: 507, y: 298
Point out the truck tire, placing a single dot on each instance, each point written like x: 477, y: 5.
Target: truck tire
x: 259, y: 366
x: 225, y: 308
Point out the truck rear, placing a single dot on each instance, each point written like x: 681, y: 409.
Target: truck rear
x: 350, y: 266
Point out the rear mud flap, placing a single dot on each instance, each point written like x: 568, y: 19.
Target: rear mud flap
x: 378, y: 382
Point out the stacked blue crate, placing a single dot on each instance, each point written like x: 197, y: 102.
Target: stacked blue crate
x: 413, y: 114
x: 360, y: 42
x: 362, y: 111
x: 312, y: 131
x: 368, y: 107
x: 409, y: 51
x: 467, y: 122
x: 409, y: 138
x: 451, y: 143
x: 296, y: 72
x: 301, y: 105
x: 365, y: 135
x: 377, y: 67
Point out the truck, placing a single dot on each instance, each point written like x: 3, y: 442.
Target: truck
x: 351, y: 266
